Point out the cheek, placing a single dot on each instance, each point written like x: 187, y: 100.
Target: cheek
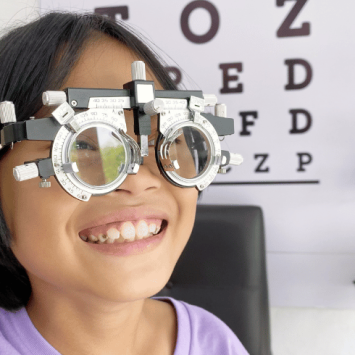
x: 41, y: 224
x: 38, y: 218
x: 186, y: 200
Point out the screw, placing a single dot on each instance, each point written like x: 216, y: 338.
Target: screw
x: 74, y: 103
x: 83, y: 197
x: 163, y: 113
x: 44, y: 183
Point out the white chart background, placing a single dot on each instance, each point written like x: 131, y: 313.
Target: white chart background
x: 310, y: 227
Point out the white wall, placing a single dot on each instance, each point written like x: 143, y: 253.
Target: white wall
x: 307, y: 331
x: 16, y: 11
x: 310, y: 263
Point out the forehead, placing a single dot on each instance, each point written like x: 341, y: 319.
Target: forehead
x: 104, y: 63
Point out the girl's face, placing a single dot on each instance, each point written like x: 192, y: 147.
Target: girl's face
x: 45, y: 223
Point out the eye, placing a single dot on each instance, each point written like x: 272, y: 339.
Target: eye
x: 82, y: 145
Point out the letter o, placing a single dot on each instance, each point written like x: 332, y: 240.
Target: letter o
x: 184, y: 21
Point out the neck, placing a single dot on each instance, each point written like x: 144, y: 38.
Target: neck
x: 76, y: 324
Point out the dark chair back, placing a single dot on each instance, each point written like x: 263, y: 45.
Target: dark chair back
x: 223, y: 270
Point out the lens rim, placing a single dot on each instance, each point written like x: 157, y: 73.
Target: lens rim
x: 107, y: 118
x: 201, y: 181
x: 103, y: 188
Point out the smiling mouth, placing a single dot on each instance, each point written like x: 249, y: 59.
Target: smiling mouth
x: 123, y: 232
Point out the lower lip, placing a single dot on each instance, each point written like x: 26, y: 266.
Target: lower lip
x: 129, y: 248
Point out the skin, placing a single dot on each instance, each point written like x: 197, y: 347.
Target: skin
x: 85, y: 302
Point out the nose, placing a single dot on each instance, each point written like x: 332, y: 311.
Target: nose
x: 147, y: 180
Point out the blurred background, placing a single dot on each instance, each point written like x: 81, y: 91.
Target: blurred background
x: 285, y: 69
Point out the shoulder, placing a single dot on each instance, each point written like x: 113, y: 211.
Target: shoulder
x: 18, y: 336
x: 205, y: 332
x: 8, y: 332
x: 212, y: 332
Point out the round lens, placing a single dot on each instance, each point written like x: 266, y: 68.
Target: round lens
x: 99, y: 155
x: 189, y: 153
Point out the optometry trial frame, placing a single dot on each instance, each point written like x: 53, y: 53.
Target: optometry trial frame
x: 92, y: 154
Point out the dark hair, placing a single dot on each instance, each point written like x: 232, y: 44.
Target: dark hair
x: 37, y: 57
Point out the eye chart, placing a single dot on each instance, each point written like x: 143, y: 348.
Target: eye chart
x: 286, y: 70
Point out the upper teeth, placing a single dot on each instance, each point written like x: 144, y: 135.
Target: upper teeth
x: 142, y: 229
x: 102, y: 237
x: 128, y: 232
x: 113, y: 233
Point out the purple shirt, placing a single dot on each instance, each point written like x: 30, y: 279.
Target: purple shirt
x: 199, y: 333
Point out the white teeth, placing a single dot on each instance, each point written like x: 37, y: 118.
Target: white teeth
x: 92, y: 238
x: 128, y: 231
x: 152, y: 227
x: 113, y: 233
x: 102, y: 237
x: 142, y: 230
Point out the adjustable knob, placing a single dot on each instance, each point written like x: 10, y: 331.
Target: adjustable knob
x: 44, y: 184
x: 235, y: 159
x: 138, y: 70
x: 221, y: 110
x: 53, y: 98
x: 25, y: 172
x: 7, y: 112
x: 210, y: 99
x: 63, y: 113
x: 222, y: 170
x: 153, y: 107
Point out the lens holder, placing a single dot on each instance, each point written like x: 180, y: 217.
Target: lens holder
x: 80, y: 110
x: 112, y: 120
x: 170, y: 124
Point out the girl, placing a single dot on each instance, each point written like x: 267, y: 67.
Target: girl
x: 60, y: 293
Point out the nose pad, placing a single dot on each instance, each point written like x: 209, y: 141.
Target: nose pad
x: 135, y: 158
x: 168, y: 158
x: 147, y: 177
x: 168, y: 152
